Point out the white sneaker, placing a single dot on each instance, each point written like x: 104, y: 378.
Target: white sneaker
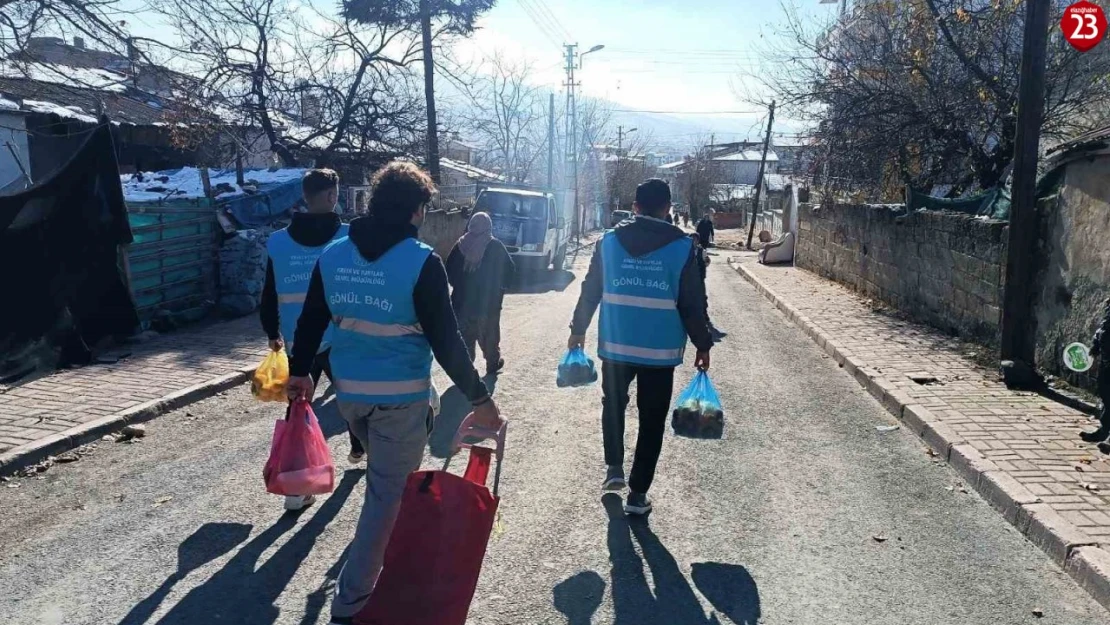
x: 298, y: 502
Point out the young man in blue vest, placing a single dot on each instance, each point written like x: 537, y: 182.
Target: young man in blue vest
x: 293, y: 252
x: 388, y: 295
x: 644, y: 275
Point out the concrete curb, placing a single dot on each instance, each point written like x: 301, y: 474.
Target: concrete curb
x: 1079, y: 554
x: 25, y: 455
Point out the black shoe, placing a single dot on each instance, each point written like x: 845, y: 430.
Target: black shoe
x: 342, y: 620
x: 637, y: 504
x: 494, y: 370
x: 1097, y: 436
x: 614, y: 479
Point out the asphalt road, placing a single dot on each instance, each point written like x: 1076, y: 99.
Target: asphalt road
x: 776, y: 523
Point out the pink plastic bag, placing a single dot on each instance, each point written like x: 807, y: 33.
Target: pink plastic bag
x: 300, y: 460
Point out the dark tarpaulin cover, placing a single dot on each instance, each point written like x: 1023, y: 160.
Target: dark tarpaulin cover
x: 58, y: 246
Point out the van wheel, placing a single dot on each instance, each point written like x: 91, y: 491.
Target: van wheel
x: 560, y: 259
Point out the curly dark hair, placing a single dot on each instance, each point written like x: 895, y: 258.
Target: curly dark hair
x: 398, y: 190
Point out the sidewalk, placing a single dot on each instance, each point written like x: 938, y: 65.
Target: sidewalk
x: 1020, y: 451
x: 71, y: 407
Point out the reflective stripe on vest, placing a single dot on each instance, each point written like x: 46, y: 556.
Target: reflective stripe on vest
x: 369, y: 328
x: 292, y: 298
x: 658, y: 303
x: 642, y: 352
x: 397, y: 387
x: 379, y: 353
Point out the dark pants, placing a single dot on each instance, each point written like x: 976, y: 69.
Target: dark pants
x: 320, y: 366
x: 653, y: 396
x: 486, y: 332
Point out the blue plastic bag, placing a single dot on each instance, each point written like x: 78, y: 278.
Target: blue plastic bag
x: 576, y: 369
x: 698, y: 413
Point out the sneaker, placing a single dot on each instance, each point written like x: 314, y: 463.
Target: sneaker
x: 614, y: 479
x: 341, y: 620
x: 356, y: 457
x: 496, y: 367
x: 637, y: 504
x: 1097, y: 436
x: 294, y: 503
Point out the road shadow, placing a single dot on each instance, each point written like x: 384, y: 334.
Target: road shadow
x: 730, y: 589
x: 542, y: 282
x: 453, y: 408
x: 318, y: 599
x: 209, y: 542
x: 578, y: 597
x: 669, y: 599
x: 243, y: 592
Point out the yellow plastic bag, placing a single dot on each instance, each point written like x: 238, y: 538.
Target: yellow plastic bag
x: 270, y: 377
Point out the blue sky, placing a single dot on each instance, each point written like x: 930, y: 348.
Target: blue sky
x: 660, y: 55
x: 686, y: 56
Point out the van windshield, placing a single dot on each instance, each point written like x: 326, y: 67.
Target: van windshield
x: 512, y: 205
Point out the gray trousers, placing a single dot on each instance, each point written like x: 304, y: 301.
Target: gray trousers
x: 394, y: 438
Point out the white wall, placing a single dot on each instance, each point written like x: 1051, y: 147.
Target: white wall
x: 12, y: 130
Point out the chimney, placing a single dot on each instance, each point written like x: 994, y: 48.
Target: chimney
x: 79, y: 43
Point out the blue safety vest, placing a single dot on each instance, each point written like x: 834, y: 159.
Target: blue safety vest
x: 379, y: 353
x: 293, y: 264
x: 640, y: 323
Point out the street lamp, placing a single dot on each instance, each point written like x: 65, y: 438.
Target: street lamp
x: 593, y: 49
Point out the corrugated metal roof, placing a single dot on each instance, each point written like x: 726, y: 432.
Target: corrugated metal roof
x: 748, y: 155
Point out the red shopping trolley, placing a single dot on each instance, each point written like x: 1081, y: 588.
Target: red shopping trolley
x: 436, y: 550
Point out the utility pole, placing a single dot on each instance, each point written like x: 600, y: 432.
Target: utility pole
x: 1018, y: 340
x: 551, y: 143
x: 429, y: 90
x: 572, y: 135
x: 759, y: 180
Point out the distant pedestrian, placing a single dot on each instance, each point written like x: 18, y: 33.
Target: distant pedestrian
x: 686, y: 219
x: 292, y: 254
x: 703, y: 267
x: 644, y: 275
x: 705, y: 230
x: 1100, y: 347
x: 480, y: 269
x: 389, y: 292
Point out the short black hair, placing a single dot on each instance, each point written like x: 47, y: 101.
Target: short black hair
x: 316, y: 181
x: 398, y: 190
x: 653, y: 196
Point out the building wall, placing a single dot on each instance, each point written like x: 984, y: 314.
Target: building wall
x: 944, y: 269
x: 1075, y: 279
x: 13, y: 132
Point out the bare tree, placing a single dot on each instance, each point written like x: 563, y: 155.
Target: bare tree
x: 506, y: 115
x: 337, y: 86
x: 924, y: 92
x: 696, y: 179
x: 433, y: 18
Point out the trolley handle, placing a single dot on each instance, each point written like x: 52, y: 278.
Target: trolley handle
x: 468, y: 429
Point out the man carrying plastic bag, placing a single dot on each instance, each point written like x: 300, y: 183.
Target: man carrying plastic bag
x: 292, y: 253
x: 388, y: 294
x: 645, y: 277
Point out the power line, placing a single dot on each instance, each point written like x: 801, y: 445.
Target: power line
x: 546, y: 10
x: 543, y: 27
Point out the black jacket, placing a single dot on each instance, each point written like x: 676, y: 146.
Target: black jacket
x: 479, y: 294
x: 430, y: 297
x: 308, y: 229
x: 705, y: 231
x: 642, y: 236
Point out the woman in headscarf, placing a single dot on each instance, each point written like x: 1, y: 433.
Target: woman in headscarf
x: 479, y: 269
